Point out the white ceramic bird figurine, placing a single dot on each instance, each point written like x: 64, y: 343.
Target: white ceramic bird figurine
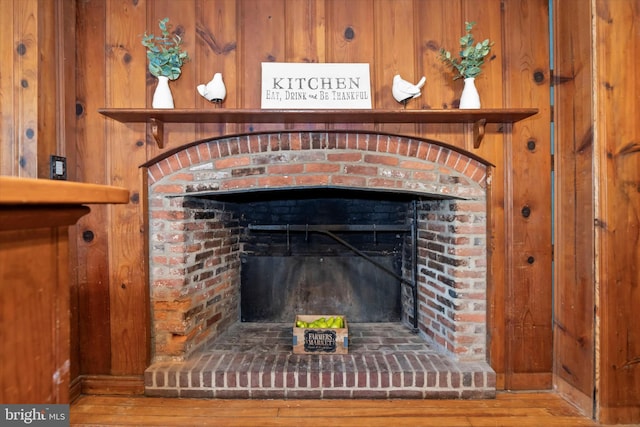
x: 403, y: 90
x: 215, y: 90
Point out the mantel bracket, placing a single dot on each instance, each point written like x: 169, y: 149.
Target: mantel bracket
x: 478, y: 132
x: 157, y: 131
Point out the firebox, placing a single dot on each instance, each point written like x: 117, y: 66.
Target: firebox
x: 322, y: 250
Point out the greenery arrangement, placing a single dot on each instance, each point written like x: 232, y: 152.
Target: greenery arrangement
x: 472, y: 55
x: 165, y: 52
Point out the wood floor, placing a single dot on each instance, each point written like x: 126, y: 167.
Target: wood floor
x: 508, y: 409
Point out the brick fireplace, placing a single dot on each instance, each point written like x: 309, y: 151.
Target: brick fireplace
x: 201, y: 201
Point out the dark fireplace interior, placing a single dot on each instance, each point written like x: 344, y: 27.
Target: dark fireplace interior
x: 322, y: 251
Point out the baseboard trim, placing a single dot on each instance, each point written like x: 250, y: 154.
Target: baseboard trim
x: 112, y: 384
x: 75, y: 389
x: 525, y: 381
x: 574, y: 396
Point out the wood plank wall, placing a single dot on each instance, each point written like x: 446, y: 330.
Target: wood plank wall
x: 234, y: 37
x: 617, y: 209
x: 597, y: 338
x: 28, y: 125
x: 574, y: 319
x: 394, y: 36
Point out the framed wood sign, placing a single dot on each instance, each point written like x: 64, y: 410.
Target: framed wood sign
x: 315, y: 86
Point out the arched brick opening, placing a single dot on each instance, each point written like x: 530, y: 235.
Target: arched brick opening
x: 195, y: 245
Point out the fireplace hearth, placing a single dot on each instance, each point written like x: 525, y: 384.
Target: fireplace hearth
x: 248, y: 231
x: 385, y: 360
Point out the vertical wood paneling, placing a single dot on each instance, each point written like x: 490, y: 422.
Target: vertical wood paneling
x: 65, y: 64
x: 25, y: 85
x: 350, y: 38
x: 182, y: 20
x: 48, y: 88
x: 262, y: 39
x: 489, y: 83
x: 29, y: 88
x: 395, y: 53
x: 126, y: 149
x: 305, y: 31
x: 92, y: 270
x: 574, y: 215
x: 438, y: 24
x: 8, y: 144
x: 393, y: 36
x: 65, y: 36
x: 216, y: 50
x: 618, y: 209
x: 305, y: 35
x: 528, y: 349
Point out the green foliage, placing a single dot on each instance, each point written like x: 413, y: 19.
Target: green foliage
x: 164, y: 52
x: 472, y: 55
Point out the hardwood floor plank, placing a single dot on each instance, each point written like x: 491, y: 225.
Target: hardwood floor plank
x: 160, y: 411
x: 417, y: 411
x: 183, y: 421
x: 508, y: 409
x: 529, y: 422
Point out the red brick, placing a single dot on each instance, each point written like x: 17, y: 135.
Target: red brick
x: 349, y: 181
x: 194, y: 156
x: 155, y: 172
x: 243, y: 183
x: 423, y: 149
x: 172, y: 163
x: 165, y: 167
x: 384, y: 183
x: 185, y: 176
x: 232, y: 162
x: 393, y: 145
x: 312, y: 180
x: 381, y: 160
x: 416, y: 165
x: 361, y: 170
x: 322, y: 167
x: 276, y: 181
x: 478, y: 176
x: 169, y: 189
x: 434, y: 153
x: 471, y: 317
x: 286, y: 169
x: 344, y: 157
x: 169, y: 215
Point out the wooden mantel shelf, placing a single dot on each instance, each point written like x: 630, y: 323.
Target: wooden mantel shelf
x: 36, y: 203
x: 30, y: 191
x: 156, y: 118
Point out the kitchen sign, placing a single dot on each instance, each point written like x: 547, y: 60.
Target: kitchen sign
x: 315, y: 86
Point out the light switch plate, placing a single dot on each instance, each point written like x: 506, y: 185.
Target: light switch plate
x: 58, y: 168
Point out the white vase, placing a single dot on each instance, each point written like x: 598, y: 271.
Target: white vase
x: 470, y: 99
x: 162, y: 97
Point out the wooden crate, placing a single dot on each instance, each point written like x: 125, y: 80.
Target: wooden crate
x: 320, y: 340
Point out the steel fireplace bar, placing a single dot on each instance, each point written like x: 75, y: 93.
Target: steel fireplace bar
x: 414, y: 262
x: 328, y: 229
